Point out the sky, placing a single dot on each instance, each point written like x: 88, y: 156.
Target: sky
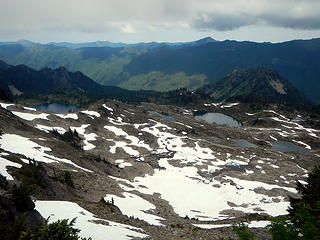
x: 132, y: 21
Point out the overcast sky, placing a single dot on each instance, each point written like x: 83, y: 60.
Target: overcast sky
x: 158, y: 20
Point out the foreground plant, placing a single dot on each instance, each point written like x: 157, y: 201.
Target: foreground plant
x: 59, y: 230
x: 303, y: 222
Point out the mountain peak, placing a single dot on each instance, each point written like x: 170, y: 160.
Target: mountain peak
x: 260, y: 83
x: 25, y: 43
x: 205, y: 40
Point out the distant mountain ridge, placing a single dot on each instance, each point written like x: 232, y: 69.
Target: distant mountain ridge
x: 18, y: 80
x: 255, y: 84
x: 146, y: 45
x: 168, y: 67
x: 62, y: 84
x: 25, y: 79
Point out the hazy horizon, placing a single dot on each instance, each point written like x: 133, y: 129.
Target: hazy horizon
x: 136, y: 42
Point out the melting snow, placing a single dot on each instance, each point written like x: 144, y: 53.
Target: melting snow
x: 31, y: 109
x: 21, y: 145
x: 5, y: 105
x: 206, y: 200
x: 31, y: 116
x: 253, y: 224
x: 108, y: 108
x: 133, y: 205
x: 302, y: 143
x: 271, y: 111
x: 91, y: 113
x: 184, y: 125
x: 122, y: 164
x: 208, y: 197
x: 134, y: 141
x: 273, y: 138
x: 90, y: 226
x: 249, y: 172
x: 259, y: 224
x: 68, y: 115
x: 211, y: 226
x: 229, y: 105
x: 212, y: 104
x: 48, y: 129
x: 4, y: 163
x: 87, y: 136
x: 124, y: 146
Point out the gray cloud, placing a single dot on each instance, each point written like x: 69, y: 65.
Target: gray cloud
x: 147, y: 16
x: 221, y: 22
x: 294, y: 14
x: 308, y: 23
x: 225, y: 22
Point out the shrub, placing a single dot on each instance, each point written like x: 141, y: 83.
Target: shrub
x: 34, y: 174
x: 55, y: 132
x: 12, y: 230
x: 282, y: 229
x: 22, y: 197
x: 243, y: 231
x: 68, y: 180
x: 303, y: 221
x: 59, y: 230
x: 3, y: 183
x: 70, y: 136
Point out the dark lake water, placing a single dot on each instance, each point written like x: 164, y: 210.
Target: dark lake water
x: 56, y: 107
x: 219, y: 118
x: 287, y: 147
x: 244, y: 143
x: 297, y: 119
x: 163, y: 116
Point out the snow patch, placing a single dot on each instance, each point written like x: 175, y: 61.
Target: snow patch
x: 133, y: 205
x: 48, y: 129
x: 90, y: 226
x: 302, y: 143
x: 229, y: 105
x: 134, y: 141
x: 4, y: 163
x: 6, y: 105
x: 108, y: 108
x: 24, y: 146
x: 122, y: 164
x: 91, y: 113
x: 31, y: 116
x: 68, y: 115
x: 87, y: 136
x: 30, y: 109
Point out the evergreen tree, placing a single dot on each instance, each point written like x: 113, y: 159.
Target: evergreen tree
x: 303, y: 221
x: 59, y: 230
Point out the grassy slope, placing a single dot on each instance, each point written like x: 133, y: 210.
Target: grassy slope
x: 165, y: 82
x: 109, y: 71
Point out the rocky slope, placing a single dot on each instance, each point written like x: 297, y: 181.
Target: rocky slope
x: 154, y: 171
x: 255, y: 84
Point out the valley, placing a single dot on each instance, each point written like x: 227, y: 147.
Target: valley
x: 169, y: 66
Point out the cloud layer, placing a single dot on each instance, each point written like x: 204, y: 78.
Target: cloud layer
x: 127, y: 16
x: 293, y: 14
